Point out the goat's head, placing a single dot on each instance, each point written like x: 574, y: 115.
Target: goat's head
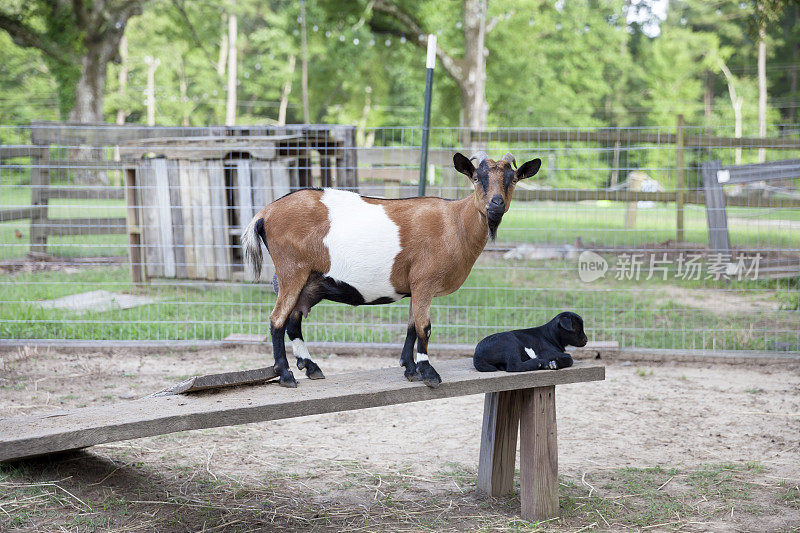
x: 494, y: 182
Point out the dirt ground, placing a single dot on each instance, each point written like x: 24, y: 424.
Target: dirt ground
x: 655, y: 447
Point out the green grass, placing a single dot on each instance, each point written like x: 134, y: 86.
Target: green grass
x: 497, y: 295
x: 14, y: 247
x: 602, y: 224
x: 492, y: 299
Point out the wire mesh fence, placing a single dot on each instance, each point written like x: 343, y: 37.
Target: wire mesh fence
x: 132, y: 233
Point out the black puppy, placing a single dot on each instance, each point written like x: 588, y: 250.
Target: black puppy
x: 532, y: 348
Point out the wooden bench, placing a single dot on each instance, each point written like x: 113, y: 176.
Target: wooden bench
x: 524, y: 400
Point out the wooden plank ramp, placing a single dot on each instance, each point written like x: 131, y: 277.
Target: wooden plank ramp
x: 27, y: 436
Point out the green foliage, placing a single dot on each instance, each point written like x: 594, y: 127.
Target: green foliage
x: 575, y: 63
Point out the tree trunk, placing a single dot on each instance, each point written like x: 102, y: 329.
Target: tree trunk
x: 123, y: 77
x: 89, y: 90
x: 223, y: 46
x: 230, y: 103
x: 287, y: 90
x: 150, y: 91
x: 473, y: 82
x: 762, y: 89
x: 736, y: 104
x: 708, y: 99
x: 89, y: 106
x: 183, y: 88
x: 304, y: 80
x: 793, y: 75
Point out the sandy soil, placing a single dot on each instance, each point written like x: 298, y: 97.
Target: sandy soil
x: 669, y: 415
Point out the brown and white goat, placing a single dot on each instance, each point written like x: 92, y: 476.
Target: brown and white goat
x: 330, y: 244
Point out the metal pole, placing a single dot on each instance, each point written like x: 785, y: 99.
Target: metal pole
x: 426, y: 117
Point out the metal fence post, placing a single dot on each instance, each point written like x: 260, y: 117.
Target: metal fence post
x: 680, y: 181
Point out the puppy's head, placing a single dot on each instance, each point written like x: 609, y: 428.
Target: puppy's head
x: 570, y: 329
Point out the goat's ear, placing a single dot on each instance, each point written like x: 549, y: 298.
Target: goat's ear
x: 529, y: 168
x: 566, y: 322
x: 463, y: 165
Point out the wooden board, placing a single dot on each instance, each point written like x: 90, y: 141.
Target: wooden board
x: 162, y: 197
x: 538, y: 454
x: 177, y: 218
x: 218, y: 218
x: 187, y: 213
x: 150, y: 219
x: 499, y: 442
x: 67, y: 430
x: 219, y: 381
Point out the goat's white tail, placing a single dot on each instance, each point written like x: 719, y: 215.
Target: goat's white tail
x: 251, y: 243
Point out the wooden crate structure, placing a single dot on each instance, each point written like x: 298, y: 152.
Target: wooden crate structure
x: 190, y: 198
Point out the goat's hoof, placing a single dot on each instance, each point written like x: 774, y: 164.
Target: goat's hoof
x: 433, y: 383
x: 412, y: 376
x: 315, y: 374
x: 429, y: 376
x: 312, y: 370
x: 301, y: 363
x: 288, y: 381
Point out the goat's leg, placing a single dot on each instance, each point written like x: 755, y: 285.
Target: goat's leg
x: 407, y: 355
x: 421, y: 306
x: 290, y: 288
x: 304, y: 361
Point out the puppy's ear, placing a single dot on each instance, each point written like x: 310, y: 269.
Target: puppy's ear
x: 566, y: 322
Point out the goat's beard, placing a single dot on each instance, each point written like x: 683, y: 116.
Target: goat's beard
x: 493, y: 225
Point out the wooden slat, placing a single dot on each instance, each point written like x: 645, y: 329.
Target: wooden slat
x: 284, y: 180
x: 17, y: 213
x: 221, y: 246
x: 262, y: 185
x: 198, y: 179
x: 244, y: 188
x: 629, y: 136
x: 389, y: 174
x: 85, y: 193
x: 67, y: 430
x: 86, y: 226
x: 134, y: 231
x: 18, y: 150
x: 164, y: 218
x: 185, y: 174
x: 176, y: 211
x: 499, y: 443
x: 151, y: 235
x: 538, y: 454
x: 205, y: 225
x: 67, y: 164
x: 402, y: 156
x: 219, y: 381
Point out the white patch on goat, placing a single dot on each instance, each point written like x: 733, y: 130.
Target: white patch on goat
x: 299, y: 349
x: 530, y: 353
x: 421, y: 357
x: 362, y: 243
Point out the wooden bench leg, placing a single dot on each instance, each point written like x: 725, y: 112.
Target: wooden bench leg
x: 538, y: 454
x: 498, y: 443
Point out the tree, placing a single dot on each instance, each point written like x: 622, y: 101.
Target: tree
x: 468, y: 71
x: 78, y: 39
